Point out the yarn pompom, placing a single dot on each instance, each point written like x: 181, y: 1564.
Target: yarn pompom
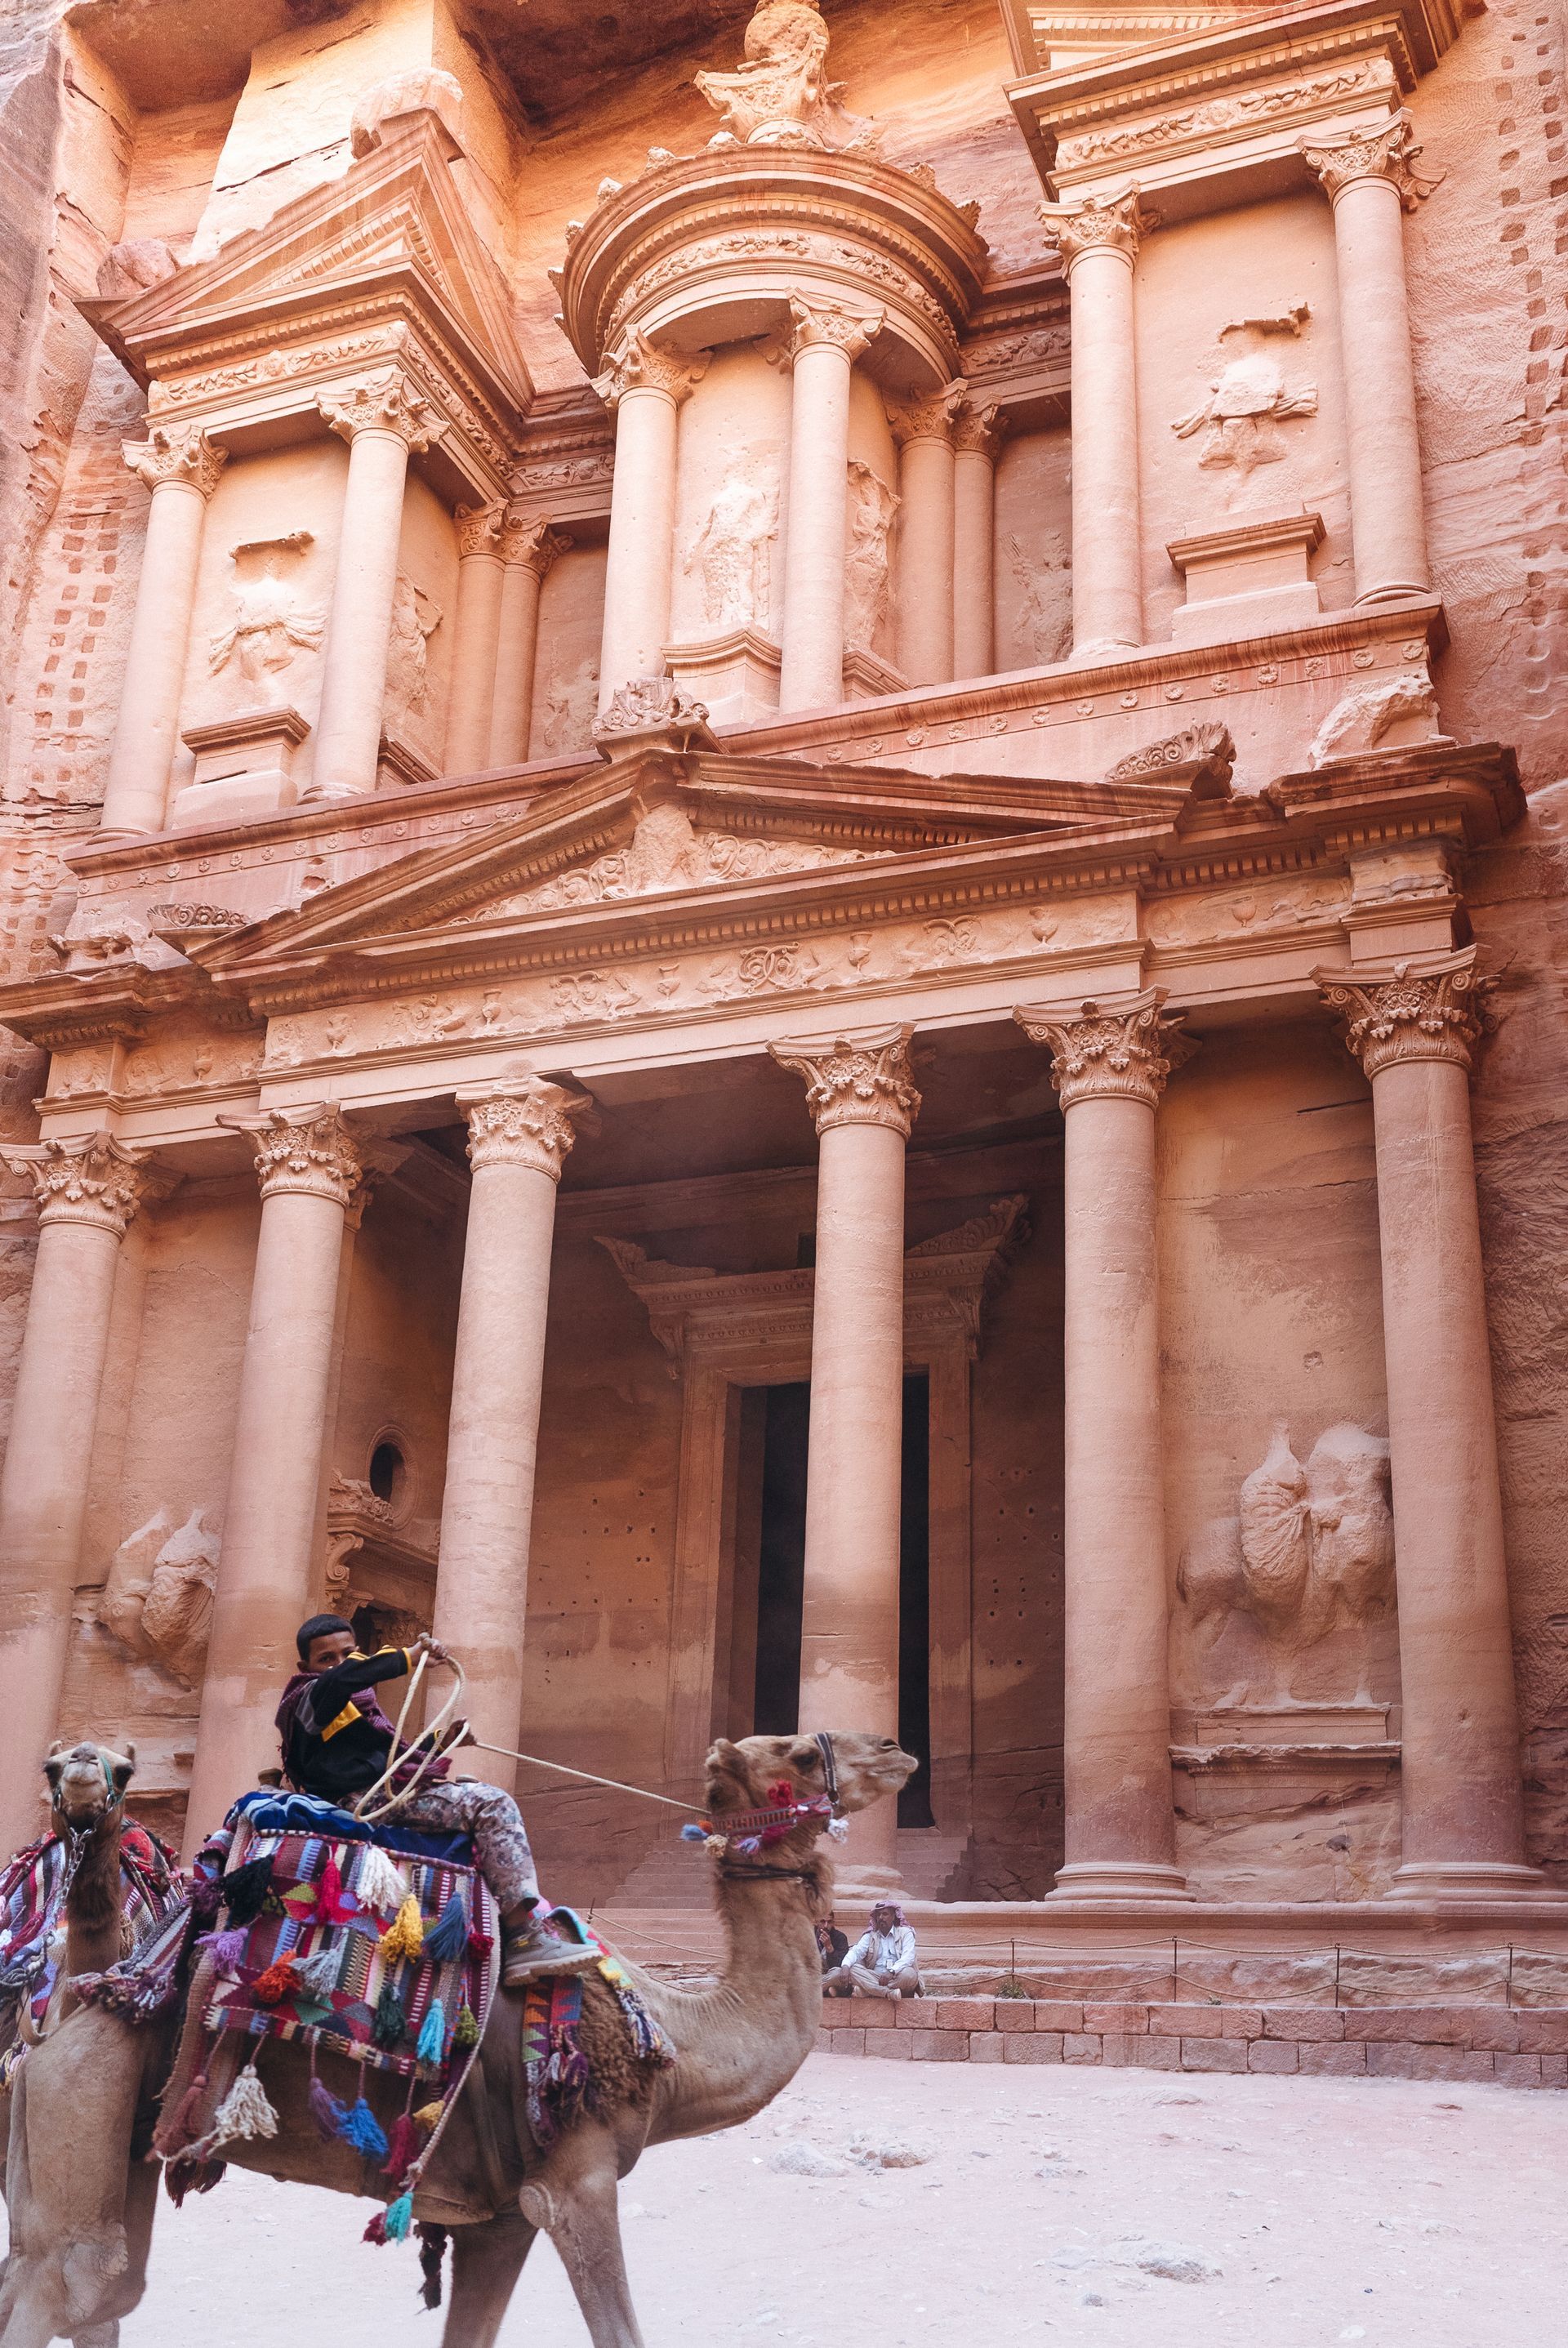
x: 376, y: 2231
x: 466, y: 2030
x: 244, y: 1892
x: 429, y: 2118
x: 318, y: 1974
x: 279, y: 1981
x: 405, y: 1936
x: 400, y: 2217
x: 327, y: 2111
x: 432, y: 2046
x: 390, y: 2026
x: 226, y: 1949
x: 361, y: 2130
x: 378, y: 1884
x: 449, y: 1938
x: 402, y: 2146
x: 245, y: 2112
x: 692, y: 1832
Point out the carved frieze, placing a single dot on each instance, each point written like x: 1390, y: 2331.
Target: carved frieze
x: 1122, y: 1051
x: 861, y: 1079
x: 1432, y: 1010
x: 1241, y: 110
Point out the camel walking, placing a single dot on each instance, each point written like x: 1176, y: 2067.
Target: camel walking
x: 87, y: 2100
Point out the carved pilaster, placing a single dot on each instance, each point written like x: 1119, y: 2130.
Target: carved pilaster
x: 176, y: 452
x: 1108, y: 224
x: 864, y: 1078
x: 1119, y: 1050
x: 980, y: 431
x: 1388, y: 154
x: 307, y: 1151
x: 639, y: 364
x: 87, y: 1179
x: 384, y: 402
x: 481, y: 530
x: 850, y: 331
x: 1434, y: 1010
x: 524, y: 1121
x: 534, y: 545
x: 928, y: 419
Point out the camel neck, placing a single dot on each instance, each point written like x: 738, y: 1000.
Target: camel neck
x: 93, y: 1902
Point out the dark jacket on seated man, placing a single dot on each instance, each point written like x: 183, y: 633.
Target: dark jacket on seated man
x: 832, y: 1946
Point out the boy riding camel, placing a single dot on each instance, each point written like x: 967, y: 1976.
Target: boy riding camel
x: 336, y: 1744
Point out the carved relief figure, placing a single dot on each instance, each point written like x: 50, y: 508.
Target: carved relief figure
x: 1044, y: 577
x: 782, y: 97
x: 872, y: 506
x: 1240, y: 419
x: 415, y: 619
x: 1311, y: 1546
x: 733, y: 551
x: 270, y: 624
x: 163, y: 1611
x: 568, y: 701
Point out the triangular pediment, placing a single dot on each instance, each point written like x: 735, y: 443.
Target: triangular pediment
x: 397, y: 214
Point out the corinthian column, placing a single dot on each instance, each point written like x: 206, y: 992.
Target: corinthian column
x: 181, y: 466
x: 1414, y: 1026
x: 1099, y: 241
x: 823, y: 351
x: 88, y: 1190
x: 529, y: 549
x: 480, y: 576
x: 519, y: 1134
x: 1109, y: 1062
x: 923, y: 432
x: 861, y: 1093
x: 309, y: 1167
x: 643, y: 385
x: 384, y: 421
x: 1371, y: 183
x: 977, y: 438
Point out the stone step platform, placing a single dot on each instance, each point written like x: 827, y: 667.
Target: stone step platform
x: 1508, y: 2046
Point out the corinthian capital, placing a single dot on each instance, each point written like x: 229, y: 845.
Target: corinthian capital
x: 176, y: 452
x: 480, y: 529
x: 858, y: 1079
x: 523, y: 1122
x: 1388, y: 154
x: 533, y: 544
x: 1430, y: 1010
x: 1100, y: 224
x: 1123, y: 1051
x: 384, y: 402
x: 639, y: 364
x: 979, y: 430
x: 307, y: 1151
x: 87, y: 1179
x: 816, y: 325
x: 927, y: 419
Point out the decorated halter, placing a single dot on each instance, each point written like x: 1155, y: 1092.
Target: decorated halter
x: 746, y: 1832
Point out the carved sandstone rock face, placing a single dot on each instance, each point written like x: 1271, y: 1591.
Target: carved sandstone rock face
x: 163, y: 1611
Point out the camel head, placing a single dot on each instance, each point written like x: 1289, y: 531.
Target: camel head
x: 865, y: 1768
x: 87, y: 1784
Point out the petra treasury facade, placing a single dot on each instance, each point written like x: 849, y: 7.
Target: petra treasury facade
x: 783, y: 879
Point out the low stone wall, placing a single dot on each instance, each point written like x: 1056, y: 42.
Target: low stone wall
x: 1509, y: 2047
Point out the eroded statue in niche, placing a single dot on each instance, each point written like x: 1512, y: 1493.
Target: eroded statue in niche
x: 158, y: 1598
x: 780, y: 96
x: 1311, y: 1546
x: 270, y: 624
x: 1240, y: 419
x: 872, y: 506
x: 568, y: 704
x: 415, y: 619
x: 733, y: 551
x: 1044, y: 577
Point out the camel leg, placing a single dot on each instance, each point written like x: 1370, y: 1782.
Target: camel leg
x: 486, y: 2262
x: 574, y: 2202
x: 140, y: 2208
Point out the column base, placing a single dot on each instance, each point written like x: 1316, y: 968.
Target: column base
x: 1464, y: 1878
x: 1119, y: 1878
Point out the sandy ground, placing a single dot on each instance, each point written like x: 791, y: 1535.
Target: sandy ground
x: 1286, y: 2213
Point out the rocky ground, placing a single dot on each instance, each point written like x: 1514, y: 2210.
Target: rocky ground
x: 1136, y: 2209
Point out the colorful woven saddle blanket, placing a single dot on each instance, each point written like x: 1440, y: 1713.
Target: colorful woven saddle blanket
x: 33, y: 1892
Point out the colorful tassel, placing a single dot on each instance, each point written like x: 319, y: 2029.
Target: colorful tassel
x: 400, y: 2217
x: 376, y: 2231
x: 280, y: 1981
x: 327, y: 2110
x: 318, y: 1974
x: 449, y: 1938
x: 244, y: 1892
x: 405, y: 1936
x: 693, y: 1834
x: 390, y: 2026
x: 328, y: 1891
x: 432, y: 2251
x: 466, y: 2031
x: 378, y: 1884
x: 432, y: 2046
x: 226, y: 1950
x: 361, y: 2130
x: 401, y: 2147
x: 428, y: 2119
x: 245, y: 2112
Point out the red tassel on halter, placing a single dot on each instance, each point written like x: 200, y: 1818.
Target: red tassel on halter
x: 402, y: 2146
x: 328, y: 1892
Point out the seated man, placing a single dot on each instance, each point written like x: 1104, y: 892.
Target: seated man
x: 881, y: 1963
x: 336, y: 1743
x: 832, y: 1947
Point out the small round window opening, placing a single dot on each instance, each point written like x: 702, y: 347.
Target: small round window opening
x: 388, y: 1471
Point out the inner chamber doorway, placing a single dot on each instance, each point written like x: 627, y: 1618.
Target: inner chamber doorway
x: 769, y: 1569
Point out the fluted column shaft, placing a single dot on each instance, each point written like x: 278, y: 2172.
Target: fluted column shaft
x: 1415, y: 1029
x: 530, y: 550
x: 644, y: 385
x: 1110, y: 1065
x: 308, y: 1167
x: 180, y: 466
x: 978, y: 434
x: 923, y: 432
x: 383, y: 419
x: 481, y: 575
x: 1371, y: 183
x: 1100, y: 246
x: 88, y: 1190
x: 864, y: 1103
x: 519, y: 1134
x: 823, y: 351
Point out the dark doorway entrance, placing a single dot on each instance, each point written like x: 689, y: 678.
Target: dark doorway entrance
x: 785, y: 1423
